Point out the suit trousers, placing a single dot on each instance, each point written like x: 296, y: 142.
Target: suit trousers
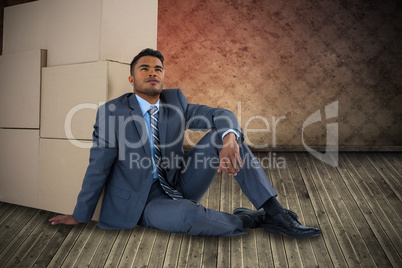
x: 195, y: 177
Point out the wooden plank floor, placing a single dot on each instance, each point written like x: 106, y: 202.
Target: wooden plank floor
x: 357, y: 205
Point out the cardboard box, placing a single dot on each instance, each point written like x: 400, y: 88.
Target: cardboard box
x: 24, y: 27
x: 19, y: 166
x: 62, y: 168
x: 76, y: 31
x: 71, y: 95
x: 20, y: 83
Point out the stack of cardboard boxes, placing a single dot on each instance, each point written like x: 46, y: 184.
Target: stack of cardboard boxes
x: 61, y: 60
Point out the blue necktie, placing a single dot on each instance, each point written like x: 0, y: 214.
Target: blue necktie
x: 173, y: 193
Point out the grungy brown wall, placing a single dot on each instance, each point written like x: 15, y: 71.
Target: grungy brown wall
x: 275, y: 60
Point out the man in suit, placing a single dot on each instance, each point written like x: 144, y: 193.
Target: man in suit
x: 137, y: 157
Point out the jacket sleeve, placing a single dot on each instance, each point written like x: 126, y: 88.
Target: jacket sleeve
x: 203, y: 118
x: 103, y: 153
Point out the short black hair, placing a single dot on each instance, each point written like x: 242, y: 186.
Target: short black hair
x: 146, y: 52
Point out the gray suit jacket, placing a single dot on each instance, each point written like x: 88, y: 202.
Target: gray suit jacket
x: 120, y: 158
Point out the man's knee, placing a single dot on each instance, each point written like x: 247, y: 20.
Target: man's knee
x: 193, y: 219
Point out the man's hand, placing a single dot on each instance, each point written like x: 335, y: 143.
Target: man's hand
x: 230, y: 160
x: 63, y: 219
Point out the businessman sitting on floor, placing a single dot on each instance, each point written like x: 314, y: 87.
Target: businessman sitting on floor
x: 137, y: 157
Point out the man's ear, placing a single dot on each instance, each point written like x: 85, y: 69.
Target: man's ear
x: 131, y: 80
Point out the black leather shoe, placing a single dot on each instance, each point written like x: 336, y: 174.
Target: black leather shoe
x: 284, y: 223
x: 292, y: 214
x: 254, y: 218
x: 287, y: 224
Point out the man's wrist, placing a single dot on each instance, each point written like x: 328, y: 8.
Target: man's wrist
x: 230, y: 131
x: 229, y: 138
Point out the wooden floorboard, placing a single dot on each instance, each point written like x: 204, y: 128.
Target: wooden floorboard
x: 376, y: 209
x: 119, y: 246
x: 329, y: 247
x: 370, y: 228
x: 357, y: 205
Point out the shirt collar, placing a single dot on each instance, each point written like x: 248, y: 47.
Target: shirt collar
x: 144, y: 105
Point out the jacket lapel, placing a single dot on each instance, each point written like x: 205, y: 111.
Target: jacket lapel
x: 139, y: 124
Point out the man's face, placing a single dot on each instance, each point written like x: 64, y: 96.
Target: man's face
x: 148, y: 77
